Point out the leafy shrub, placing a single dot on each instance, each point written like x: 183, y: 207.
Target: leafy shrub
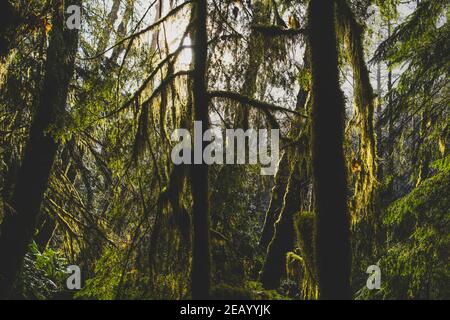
x: 43, y: 275
x: 416, y: 264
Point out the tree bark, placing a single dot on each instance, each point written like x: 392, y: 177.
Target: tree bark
x: 20, y: 220
x: 332, y: 241
x: 201, y: 255
x: 45, y: 232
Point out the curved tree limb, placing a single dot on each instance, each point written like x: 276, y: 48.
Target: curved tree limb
x: 264, y: 106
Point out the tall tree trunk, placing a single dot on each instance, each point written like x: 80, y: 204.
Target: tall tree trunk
x: 122, y: 30
x: 201, y: 255
x: 390, y: 114
x: 108, y: 30
x: 19, y: 223
x: 280, y: 231
x: 378, y: 127
x: 424, y: 153
x: 284, y: 235
x: 255, y: 54
x: 282, y: 177
x: 276, y: 202
x: 333, y: 255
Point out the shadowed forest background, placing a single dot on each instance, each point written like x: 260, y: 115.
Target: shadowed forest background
x: 358, y: 88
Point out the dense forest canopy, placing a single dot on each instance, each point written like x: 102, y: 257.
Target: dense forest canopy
x: 92, y: 92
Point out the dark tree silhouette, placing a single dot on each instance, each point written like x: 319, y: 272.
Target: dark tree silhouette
x: 9, y: 20
x: 329, y: 174
x: 201, y: 255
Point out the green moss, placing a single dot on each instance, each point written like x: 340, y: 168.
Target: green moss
x: 228, y: 292
x: 259, y: 293
x: 304, y: 226
x: 305, y: 230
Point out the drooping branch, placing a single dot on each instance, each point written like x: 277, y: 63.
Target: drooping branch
x: 264, y: 106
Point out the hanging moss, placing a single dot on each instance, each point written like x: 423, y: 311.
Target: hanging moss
x: 364, y: 164
x: 304, y: 227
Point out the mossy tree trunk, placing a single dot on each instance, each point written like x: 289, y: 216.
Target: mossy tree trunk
x: 332, y: 243
x: 289, y: 195
x: 282, y: 177
x: 366, y: 182
x: 364, y: 214
x: 276, y: 202
x: 284, y: 233
x: 291, y: 185
x: 40, y: 151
